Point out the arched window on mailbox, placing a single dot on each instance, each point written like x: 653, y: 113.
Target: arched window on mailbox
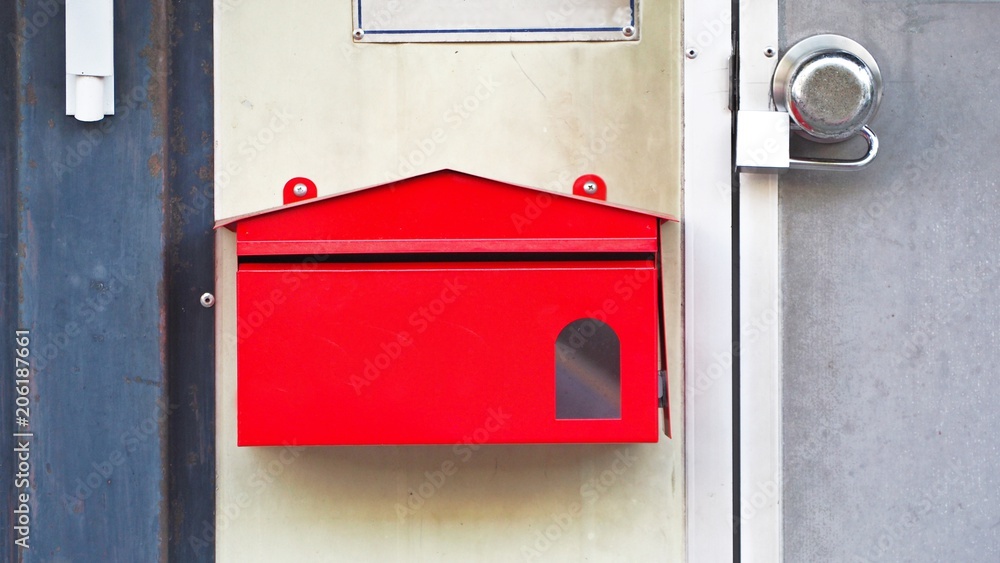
x: 588, y: 371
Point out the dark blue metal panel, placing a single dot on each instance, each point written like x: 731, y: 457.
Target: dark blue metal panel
x: 8, y: 273
x: 92, y: 286
x: 105, y: 247
x: 191, y: 265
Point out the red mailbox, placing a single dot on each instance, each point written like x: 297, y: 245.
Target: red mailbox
x: 444, y: 309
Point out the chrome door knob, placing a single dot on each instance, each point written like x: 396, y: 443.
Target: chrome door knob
x: 831, y: 87
x: 826, y: 88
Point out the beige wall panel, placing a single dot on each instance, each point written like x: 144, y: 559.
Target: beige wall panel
x: 498, y: 503
x: 295, y: 96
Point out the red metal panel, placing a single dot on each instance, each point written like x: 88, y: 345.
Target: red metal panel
x: 308, y: 247
x: 447, y: 212
x: 434, y: 353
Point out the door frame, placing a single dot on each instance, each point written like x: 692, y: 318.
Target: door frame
x: 708, y: 281
x: 760, y: 315
x: 732, y: 346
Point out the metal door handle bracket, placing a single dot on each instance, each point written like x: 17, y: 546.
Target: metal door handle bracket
x: 838, y: 164
x: 826, y: 89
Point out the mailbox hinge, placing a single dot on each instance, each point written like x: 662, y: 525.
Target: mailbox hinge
x: 661, y: 387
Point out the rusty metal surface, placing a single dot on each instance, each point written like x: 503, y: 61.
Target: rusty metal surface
x: 91, y: 287
x: 8, y: 270
x: 99, y: 257
x: 190, y: 263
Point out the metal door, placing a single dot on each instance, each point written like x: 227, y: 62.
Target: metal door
x: 886, y: 329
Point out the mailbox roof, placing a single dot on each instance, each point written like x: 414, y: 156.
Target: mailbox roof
x: 446, y: 211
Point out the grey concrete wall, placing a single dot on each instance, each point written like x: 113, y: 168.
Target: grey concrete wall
x: 892, y: 314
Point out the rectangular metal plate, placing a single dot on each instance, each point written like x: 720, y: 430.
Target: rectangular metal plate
x: 531, y: 114
x: 436, y: 21
x: 339, y: 354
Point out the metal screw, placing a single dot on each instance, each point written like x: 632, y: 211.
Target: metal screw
x: 207, y: 300
x: 692, y: 53
x: 769, y: 52
x: 300, y: 190
x: 628, y: 31
x: 590, y: 187
x: 359, y: 34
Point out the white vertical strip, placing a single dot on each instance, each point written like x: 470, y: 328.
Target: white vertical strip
x: 89, y: 59
x: 708, y: 280
x: 90, y: 37
x: 760, y: 307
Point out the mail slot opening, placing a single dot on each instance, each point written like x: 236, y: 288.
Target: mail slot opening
x: 588, y: 371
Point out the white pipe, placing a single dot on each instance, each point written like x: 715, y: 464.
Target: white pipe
x: 90, y: 74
